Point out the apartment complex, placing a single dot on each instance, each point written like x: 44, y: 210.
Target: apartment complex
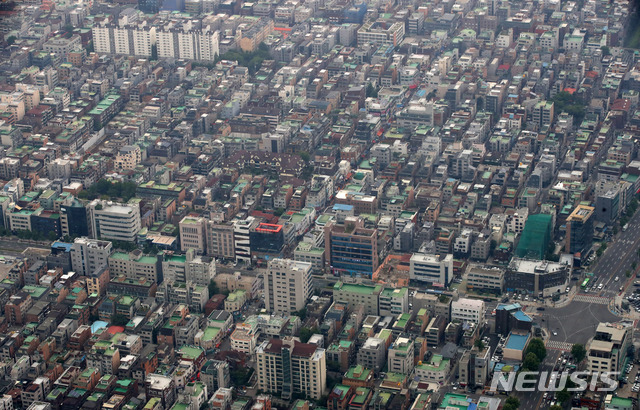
x: 187, y: 40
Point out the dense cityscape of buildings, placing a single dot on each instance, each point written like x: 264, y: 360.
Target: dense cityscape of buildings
x: 319, y: 204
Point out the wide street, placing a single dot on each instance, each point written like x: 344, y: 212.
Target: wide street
x: 533, y: 401
x: 617, y: 259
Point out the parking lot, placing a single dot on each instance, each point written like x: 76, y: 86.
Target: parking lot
x: 631, y: 387
x: 634, y: 300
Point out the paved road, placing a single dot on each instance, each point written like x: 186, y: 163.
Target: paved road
x: 534, y: 401
x: 618, y: 258
x: 13, y: 247
x: 576, y: 322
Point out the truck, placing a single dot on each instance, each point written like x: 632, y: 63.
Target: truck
x: 625, y: 227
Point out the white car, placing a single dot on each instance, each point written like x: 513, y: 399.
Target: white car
x: 617, y: 278
x: 555, y: 333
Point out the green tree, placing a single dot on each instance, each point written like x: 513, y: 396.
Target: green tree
x: 11, y: 40
x: 119, y: 320
x: 213, y: 288
x: 512, y: 403
x: 240, y: 376
x: 536, y: 346
x: 305, y: 156
x: 479, y: 344
x: 306, y: 333
x: 605, y: 51
x: 570, y: 103
x: 333, y: 366
x: 531, y: 362
x: 371, y: 91
x: 555, y: 407
x: 563, y: 396
x: 252, y: 60
x: 578, y: 352
x: 302, y: 314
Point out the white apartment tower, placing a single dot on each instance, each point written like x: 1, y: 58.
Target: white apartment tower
x: 287, y: 285
x: 114, y: 221
x: 87, y: 255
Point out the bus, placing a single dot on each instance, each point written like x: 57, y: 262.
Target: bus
x: 585, y: 283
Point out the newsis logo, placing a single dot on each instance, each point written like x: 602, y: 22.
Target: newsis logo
x: 554, y: 381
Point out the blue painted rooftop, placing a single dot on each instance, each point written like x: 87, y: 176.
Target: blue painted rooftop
x: 509, y: 306
x: 342, y: 207
x: 521, y: 316
x: 98, y: 324
x: 62, y: 245
x: 516, y: 342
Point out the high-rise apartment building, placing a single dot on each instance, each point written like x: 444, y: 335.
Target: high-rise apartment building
x: 287, y: 285
x: 351, y: 248
x: 286, y: 367
x: 193, y: 234
x: 114, y: 221
x: 87, y: 255
x: 580, y: 230
x: 220, y: 240
x: 242, y: 239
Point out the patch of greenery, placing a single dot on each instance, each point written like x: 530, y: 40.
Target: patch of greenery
x: 252, y: 60
x: 113, y: 190
x: 570, y: 103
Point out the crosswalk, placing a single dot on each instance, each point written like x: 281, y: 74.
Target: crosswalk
x: 557, y: 345
x: 591, y: 299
